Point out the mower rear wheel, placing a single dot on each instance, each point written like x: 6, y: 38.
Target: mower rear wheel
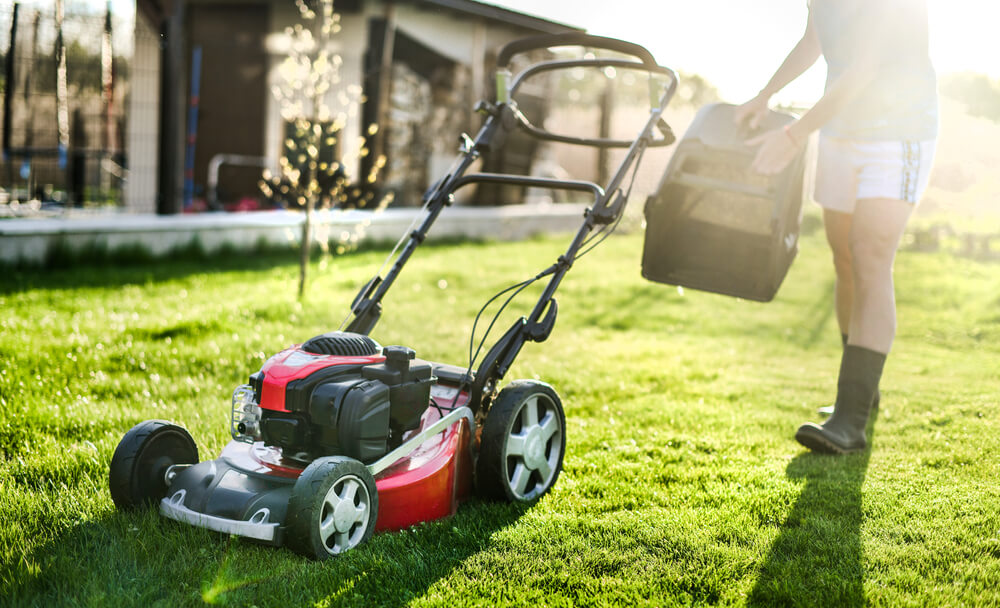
x: 333, y: 507
x: 138, y: 468
x: 523, y: 443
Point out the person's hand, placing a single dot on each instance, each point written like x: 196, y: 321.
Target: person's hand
x: 751, y: 112
x: 777, y: 149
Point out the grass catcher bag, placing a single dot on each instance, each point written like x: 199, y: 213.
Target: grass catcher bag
x: 716, y: 225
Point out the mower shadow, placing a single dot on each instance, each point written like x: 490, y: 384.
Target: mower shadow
x: 819, y: 542
x: 396, y: 568
x: 142, y: 559
x: 108, y: 560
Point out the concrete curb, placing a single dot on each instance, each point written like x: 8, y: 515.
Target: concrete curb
x: 28, y: 241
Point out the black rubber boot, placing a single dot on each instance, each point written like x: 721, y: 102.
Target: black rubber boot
x: 844, y: 431
x: 827, y: 410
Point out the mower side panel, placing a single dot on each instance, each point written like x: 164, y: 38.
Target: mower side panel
x: 427, y: 485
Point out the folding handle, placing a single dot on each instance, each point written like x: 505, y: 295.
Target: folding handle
x: 571, y: 39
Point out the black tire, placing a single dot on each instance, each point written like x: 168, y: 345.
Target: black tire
x: 140, y: 462
x: 523, y: 443
x: 333, y: 507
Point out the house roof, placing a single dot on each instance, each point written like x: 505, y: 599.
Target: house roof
x: 157, y: 10
x: 505, y: 15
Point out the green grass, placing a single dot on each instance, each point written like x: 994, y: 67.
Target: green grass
x: 682, y: 484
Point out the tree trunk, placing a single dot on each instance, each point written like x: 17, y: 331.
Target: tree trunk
x: 306, y: 242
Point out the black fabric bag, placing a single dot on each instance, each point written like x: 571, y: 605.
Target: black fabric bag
x: 713, y: 223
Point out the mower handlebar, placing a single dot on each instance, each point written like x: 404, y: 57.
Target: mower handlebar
x: 572, y: 39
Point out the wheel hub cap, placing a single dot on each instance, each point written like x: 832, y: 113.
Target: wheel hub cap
x: 344, y: 516
x: 534, y: 448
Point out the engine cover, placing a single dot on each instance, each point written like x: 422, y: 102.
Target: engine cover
x: 287, y: 380
x: 359, y: 405
x: 351, y: 417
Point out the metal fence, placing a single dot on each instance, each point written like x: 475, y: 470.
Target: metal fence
x: 63, y: 113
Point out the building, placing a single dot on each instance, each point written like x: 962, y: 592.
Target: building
x: 415, y: 67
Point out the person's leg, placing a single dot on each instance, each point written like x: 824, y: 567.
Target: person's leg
x: 874, y: 238
x: 838, y: 235
x: 834, y: 191
x: 876, y: 231
x: 891, y: 177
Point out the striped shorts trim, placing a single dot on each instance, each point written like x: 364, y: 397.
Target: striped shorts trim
x: 849, y: 170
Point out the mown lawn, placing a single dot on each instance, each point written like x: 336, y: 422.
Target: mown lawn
x: 682, y: 483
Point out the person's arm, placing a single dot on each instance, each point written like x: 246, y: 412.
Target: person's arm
x: 840, y: 92
x: 779, y: 146
x: 802, y: 56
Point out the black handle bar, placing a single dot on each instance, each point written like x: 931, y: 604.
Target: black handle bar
x: 572, y: 39
x: 658, y: 96
x: 530, y: 182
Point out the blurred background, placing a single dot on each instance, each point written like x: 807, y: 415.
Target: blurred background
x: 143, y: 106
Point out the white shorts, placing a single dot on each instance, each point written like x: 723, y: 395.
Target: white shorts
x: 848, y: 170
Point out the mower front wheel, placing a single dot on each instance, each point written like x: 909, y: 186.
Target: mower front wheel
x: 523, y: 443
x: 138, y: 468
x: 333, y: 507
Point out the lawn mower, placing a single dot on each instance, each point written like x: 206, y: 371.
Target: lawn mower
x: 339, y: 437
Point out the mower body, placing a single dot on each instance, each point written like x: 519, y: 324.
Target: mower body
x: 310, y: 401
x: 338, y: 437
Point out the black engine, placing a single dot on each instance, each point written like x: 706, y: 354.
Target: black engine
x: 350, y: 407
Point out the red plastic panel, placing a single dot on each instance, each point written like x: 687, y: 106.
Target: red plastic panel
x: 295, y: 364
x: 430, y: 483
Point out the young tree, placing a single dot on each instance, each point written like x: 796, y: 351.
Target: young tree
x: 316, y: 106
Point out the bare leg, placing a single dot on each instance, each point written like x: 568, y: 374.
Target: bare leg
x: 875, y: 234
x: 875, y: 231
x: 838, y: 233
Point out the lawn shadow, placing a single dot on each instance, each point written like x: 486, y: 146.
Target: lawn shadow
x: 639, y: 307
x: 816, y: 560
x: 115, y: 274
x: 85, y: 564
x: 817, y: 317
x: 108, y: 276
x: 396, y: 568
x: 121, y: 268
x: 142, y: 559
